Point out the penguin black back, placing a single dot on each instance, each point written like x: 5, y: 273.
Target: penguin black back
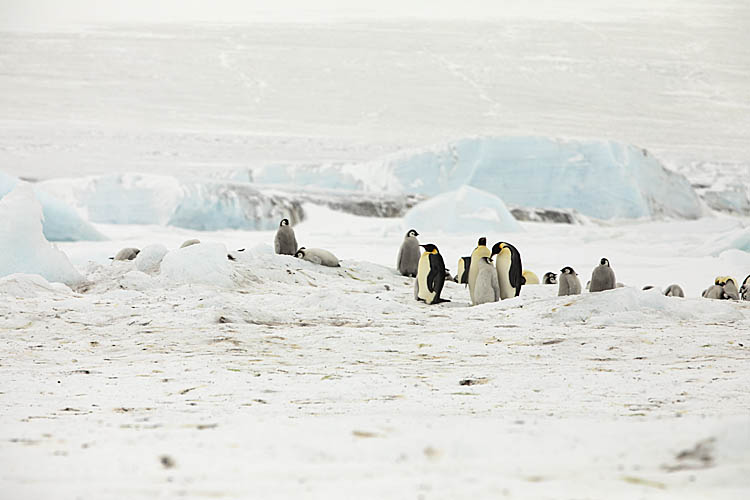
x: 436, y: 275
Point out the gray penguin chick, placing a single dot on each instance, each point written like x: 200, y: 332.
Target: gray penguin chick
x: 603, y: 277
x: 285, y: 243
x: 409, y: 254
x: 318, y: 256
x: 674, y: 291
x: 569, y: 284
x: 127, y: 254
x: 486, y: 286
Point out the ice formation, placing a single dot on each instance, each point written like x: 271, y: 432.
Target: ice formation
x: 204, y: 263
x: 150, y: 257
x: 23, y: 246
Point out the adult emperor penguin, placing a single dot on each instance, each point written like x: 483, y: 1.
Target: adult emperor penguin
x: 486, y: 288
x: 509, y: 270
x: 674, y: 291
x: 285, y: 243
x: 569, y: 282
x: 408, y: 255
x: 318, y: 256
x: 126, y: 254
x: 603, y: 277
x: 430, y: 276
x: 745, y: 289
x: 530, y: 277
x: 729, y: 285
x: 462, y: 276
x: 480, y: 251
x: 549, y: 279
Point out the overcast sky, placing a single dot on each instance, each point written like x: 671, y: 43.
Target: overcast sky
x: 67, y: 14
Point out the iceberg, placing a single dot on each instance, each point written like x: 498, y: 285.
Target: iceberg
x: 465, y: 210
x: 23, y: 247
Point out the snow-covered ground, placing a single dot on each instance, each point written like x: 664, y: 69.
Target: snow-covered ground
x: 286, y: 379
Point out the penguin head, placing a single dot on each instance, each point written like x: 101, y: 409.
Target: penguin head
x: 284, y: 222
x: 604, y: 262
x: 567, y: 270
x: 488, y: 260
x: 502, y: 247
x: 412, y: 232
x: 430, y: 248
x: 482, y: 242
x: 300, y: 253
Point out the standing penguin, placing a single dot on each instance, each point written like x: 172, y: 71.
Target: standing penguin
x: 745, y: 289
x: 486, y: 288
x: 285, y: 243
x: 549, y: 279
x: 408, y: 255
x: 509, y: 270
x: 430, y: 276
x: 569, y: 282
x: 603, y: 277
x: 462, y: 276
x: 674, y: 291
x: 480, y: 251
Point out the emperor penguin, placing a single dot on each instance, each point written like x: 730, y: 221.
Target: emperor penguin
x: 729, y: 285
x: 486, y: 288
x: 674, y: 291
x: 318, y: 256
x: 745, y: 289
x: 480, y: 251
x: 530, y: 277
x: 462, y: 276
x: 126, y: 254
x: 509, y: 270
x: 430, y: 276
x: 408, y: 255
x: 285, y: 243
x: 191, y: 242
x: 715, y: 292
x: 569, y: 282
x: 549, y: 278
x: 603, y: 277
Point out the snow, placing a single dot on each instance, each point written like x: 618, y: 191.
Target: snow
x: 61, y: 222
x: 149, y: 258
x: 204, y: 263
x: 466, y: 210
x: 23, y: 246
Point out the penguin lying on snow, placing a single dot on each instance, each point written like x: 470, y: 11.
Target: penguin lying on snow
x: 509, y: 270
x: 191, y: 242
x: 603, y: 277
x: 318, y: 256
x: 745, y: 289
x: 674, y: 291
x: 430, y: 276
x: 126, y: 254
x: 569, y: 282
x: 724, y: 288
x: 462, y: 276
x: 285, y: 243
x: 549, y: 279
x: 408, y: 255
x: 480, y: 251
x: 486, y: 287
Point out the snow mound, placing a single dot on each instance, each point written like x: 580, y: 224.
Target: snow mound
x: 631, y: 306
x: 30, y: 285
x: 22, y: 244
x: 188, y: 203
x: 149, y: 258
x: 465, y: 210
x: 204, y: 263
x: 61, y: 222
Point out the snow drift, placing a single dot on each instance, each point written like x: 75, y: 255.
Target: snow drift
x: 61, y: 222
x: 204, y: 263
x: 465, y: 210
x: 22, y: 244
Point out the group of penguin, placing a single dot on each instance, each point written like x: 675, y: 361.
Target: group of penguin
x: 488, y: 283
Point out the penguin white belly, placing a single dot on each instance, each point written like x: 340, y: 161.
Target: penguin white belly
x: 503, y: 277
x: 422, y: 271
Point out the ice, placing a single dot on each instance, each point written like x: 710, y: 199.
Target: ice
x: 30, y: 285
x: 61, y: 222
x: 466, y: 210
x: 23, y: 246
x: 204, y: 263
x: 149, y: 258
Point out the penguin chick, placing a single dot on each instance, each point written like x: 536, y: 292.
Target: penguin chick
x: 127, y: 254
x: 285, y: 243
x: 549, y: 279
x: 674, y: 291
x: 486, y: 288
x: 188, y: 243
x: 480, y: 251
x: 603, y: 277
x: 318, y: 256
x: 715, y: 292
x: 730, y: 288
x: 569, y: 282
x: 745, y: 289
x: 530, y: 277
x: 509, y: 270
x: 430, y: 276
x: 462, y: 276
x: 408, y: 255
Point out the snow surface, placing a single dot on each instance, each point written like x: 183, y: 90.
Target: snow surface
x: 149, y: 258
x: 61, y: 222
x: 23, y: 247
x: 205, y: 263
x: 466, y: 210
